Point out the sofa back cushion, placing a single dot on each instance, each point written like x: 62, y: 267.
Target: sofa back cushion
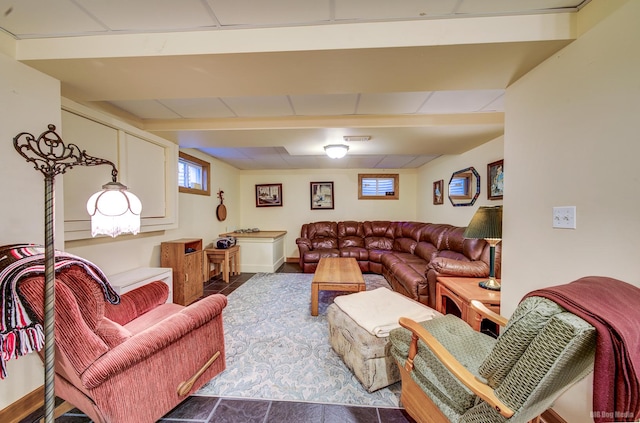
x: 321, y: 234
x: 430, y: 237
x: 454, y: 245
x: 350, y: 234
x: 378, y: 234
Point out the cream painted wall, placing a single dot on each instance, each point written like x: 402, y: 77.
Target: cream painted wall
x: 296, y: 208
x: 571, y: 139
x: 29, y: 101
x: 196, y: 216
x: 442, y: 168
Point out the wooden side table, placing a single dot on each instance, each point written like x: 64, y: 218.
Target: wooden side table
x: 461, y: 291
x: 225, y: 260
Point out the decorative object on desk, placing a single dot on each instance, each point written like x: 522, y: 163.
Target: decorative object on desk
x: 495, y: 180
x: 268, y: 195
x: 464, y: 187
x: 321, y: 195
x: 225, y: 242
x: 336, y: 151
x: 487, y: 224
x: 438, y: 195
x: 221, y: 210
x: 113, y: 211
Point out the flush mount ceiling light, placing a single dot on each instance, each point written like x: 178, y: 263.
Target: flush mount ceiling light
x: 336, y: 151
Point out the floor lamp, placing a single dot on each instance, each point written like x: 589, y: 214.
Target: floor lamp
x: 113, y: 211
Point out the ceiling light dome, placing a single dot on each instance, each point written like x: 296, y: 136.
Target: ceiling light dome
x: 336, y: 151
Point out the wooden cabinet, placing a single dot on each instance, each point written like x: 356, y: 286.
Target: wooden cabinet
x: 184, y: 256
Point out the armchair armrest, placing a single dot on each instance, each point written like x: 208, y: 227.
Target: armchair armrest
x: 150, y: 341
x: 470, y: 269
x: 481, y: 389
x: 484, y: 311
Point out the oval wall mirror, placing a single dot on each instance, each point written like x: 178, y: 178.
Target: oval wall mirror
x: 464, y: 187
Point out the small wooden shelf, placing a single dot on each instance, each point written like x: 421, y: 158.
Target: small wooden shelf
x: 184, y: 256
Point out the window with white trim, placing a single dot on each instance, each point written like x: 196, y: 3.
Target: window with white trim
x: 378, y: 186
x: 193, y: 175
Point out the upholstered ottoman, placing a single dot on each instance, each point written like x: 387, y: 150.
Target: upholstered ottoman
x: 359, y: 325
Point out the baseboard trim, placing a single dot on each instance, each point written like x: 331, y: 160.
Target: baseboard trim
x: 23, y: 407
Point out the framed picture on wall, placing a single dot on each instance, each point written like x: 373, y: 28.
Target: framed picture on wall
x: 438, y: 193
x: 495, y: 180
x: 269, y: 195
x: 321, y: 195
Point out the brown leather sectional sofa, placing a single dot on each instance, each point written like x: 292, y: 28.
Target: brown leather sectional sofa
x: 410, y: 255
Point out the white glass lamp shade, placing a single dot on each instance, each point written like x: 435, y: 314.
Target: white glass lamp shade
x: 336, y: 151
x: 114, y: 211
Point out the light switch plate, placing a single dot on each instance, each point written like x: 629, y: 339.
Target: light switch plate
x: 564, y: 217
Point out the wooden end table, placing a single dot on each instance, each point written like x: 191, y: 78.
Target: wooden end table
x: 225, y: 260
x: 461, y: 291
x: 335, y: 274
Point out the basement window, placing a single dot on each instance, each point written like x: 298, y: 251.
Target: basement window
x: 193, y: 175
x: 378, y: 187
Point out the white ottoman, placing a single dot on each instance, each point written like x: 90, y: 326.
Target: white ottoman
x: 366, y: 354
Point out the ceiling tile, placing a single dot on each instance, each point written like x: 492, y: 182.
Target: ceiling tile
x: 146, y: 109
x: 391, y: 103
x: 259, y: 106
x: 52, y: 18
x: 510, y: 6
x: 273, y: 12
x: 459, y: 101
x: 150, y: 15
x: 194, y: 108
x: 332, y: 104
x: 398, y: 9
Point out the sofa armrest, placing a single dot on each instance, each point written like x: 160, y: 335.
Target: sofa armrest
x: 451, y: 267
x: 152, y: 340
x: 304, y: 243
x: 137, y: 302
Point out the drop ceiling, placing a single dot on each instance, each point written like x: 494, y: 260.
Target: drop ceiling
x: 266, y: 84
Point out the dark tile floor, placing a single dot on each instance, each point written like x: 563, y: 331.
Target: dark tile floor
x: 201, y: 409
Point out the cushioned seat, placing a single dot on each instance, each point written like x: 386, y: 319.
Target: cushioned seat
x: 128, y: 363
x: 543, y: 350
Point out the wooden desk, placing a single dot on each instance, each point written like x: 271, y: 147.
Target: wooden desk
x: 461, y: 291
x: 335, y: 274
x: 224, y: 260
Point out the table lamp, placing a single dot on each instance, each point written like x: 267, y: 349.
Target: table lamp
x: 487, y: 224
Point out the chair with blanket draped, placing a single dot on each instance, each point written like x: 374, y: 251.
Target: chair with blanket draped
x: 130, y: 362
x: 451, y: 373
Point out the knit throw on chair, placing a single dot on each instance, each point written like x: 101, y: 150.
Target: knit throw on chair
x: 20, y: 334
x: 611, y: 306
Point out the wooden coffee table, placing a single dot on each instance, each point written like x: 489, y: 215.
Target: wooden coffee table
x: 335, y: 274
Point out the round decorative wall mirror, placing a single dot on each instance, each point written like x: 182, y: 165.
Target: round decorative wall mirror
x: 464, y: 187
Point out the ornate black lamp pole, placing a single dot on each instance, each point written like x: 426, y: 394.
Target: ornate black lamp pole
x: 52, y: 157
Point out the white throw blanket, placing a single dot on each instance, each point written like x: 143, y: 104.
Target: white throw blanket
x: 378, y: 310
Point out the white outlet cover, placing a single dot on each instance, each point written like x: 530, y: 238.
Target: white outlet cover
x: 564, y: 217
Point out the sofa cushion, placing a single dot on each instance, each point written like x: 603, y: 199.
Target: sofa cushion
x: 406, y: 245
x: 314, y: 256
x: 457, y: 337
x: 358, y: 253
